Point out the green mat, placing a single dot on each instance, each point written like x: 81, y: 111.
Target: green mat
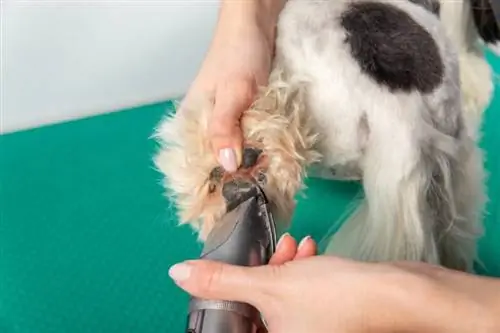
x: 87, y: 237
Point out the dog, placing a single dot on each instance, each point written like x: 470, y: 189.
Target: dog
x: 472, y: 27
x: 364, y: 90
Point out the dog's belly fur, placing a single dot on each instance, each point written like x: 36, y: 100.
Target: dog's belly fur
x: 330, y: 45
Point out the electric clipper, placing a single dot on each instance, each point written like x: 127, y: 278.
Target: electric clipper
x: 245, y: 236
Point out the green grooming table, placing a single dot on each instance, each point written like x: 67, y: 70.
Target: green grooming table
x: 87, y: 237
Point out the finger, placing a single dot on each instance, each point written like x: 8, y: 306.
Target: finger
x: 285, y: 250
x: 231, y: 100
x: 216, y: 280
x: 307, y: 248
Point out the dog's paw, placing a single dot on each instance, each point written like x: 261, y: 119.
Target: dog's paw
x: 235, y: 187
x: 225, y: 190
x: 279, y: 141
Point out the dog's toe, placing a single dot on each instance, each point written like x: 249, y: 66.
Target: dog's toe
x: 250, y: 157
x: 234, y: 187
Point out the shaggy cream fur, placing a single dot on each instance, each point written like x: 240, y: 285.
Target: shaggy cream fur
x: 275, y: 123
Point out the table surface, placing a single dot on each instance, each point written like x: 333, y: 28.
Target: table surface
x: 87, y: 236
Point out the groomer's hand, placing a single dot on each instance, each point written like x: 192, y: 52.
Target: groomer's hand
x: 303, y: 293
x: 238, y: 62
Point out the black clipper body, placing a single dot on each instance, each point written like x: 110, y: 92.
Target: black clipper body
x: 246, y: 236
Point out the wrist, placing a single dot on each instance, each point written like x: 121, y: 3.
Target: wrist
x: 487, y: 295
x: 479, y: 298
x: 452, y: 302
x: 262, y: 14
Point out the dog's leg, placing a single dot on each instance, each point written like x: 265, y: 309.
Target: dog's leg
x: 457, y: 198
x: 391, y: 223
x: 424, y: 200
x: 476, y: 76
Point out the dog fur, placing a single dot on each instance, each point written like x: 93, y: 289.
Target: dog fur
x: 363, y: 90
x: 470, y: 24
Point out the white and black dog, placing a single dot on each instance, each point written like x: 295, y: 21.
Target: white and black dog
x: 369, y: 90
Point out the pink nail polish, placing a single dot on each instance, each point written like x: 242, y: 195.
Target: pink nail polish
x: 227, y: 158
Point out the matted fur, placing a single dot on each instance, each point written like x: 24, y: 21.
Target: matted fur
x: 414, y: 152
x: 275, y: 123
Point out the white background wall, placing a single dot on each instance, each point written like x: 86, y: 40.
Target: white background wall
x: 67, y: 59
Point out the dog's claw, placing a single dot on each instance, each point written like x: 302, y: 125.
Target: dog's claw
x: 235, y: 187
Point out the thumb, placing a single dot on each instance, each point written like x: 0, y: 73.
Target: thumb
x: 231, y: 100
x: 216, y: 280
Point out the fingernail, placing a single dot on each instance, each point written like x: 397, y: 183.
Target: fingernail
x: 227, y: 158
x: 303, y: 241
x: 281, y: 239
x: 179, y: 272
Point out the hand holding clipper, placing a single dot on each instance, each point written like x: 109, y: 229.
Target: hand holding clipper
x: 246, y: 236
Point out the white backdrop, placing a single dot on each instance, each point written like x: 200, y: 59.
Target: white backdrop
x: 67, y: 59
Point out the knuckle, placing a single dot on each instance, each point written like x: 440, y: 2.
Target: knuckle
x: 242, y: 88
x: 224, y: 128
x: 270, y: 280
x: 275, y: 272
x: 211, y: 278
x: 245, y: 89
x: 233, y: 98
x: 270, y: 296
x: 218, y: 132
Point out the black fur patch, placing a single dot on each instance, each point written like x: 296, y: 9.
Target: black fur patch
x: 485, y: 21
x: 431, y: 5
x: 392, y: 48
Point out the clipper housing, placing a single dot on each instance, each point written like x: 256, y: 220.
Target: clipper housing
x: 245, y: 236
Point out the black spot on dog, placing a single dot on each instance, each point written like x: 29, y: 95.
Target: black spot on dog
x: 250, y: 157
x: 392, y: 48
x: 431, y: 5
x: 485, y: 21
